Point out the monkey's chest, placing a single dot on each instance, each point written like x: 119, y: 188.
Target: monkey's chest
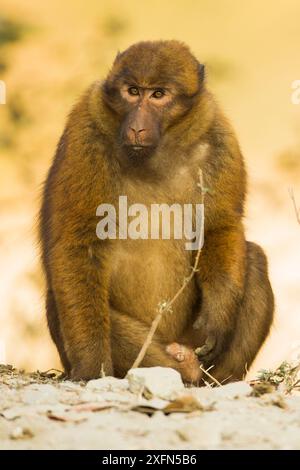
x: 147, y: 273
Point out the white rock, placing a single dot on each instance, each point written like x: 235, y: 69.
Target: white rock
x: 17, y: 433
x: 162, y: 382
x: 108, y: 384
x: 232, y: 390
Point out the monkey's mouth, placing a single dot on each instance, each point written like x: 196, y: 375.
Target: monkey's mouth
x: 137, y: 147
x: 139, y: 151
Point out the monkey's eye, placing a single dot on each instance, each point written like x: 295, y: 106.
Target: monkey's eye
x: 133, y: 91
x: 158, y: 94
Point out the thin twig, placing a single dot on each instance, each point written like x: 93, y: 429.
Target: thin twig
x: 297, y: 210
x: 50, y: 370
x: 167, y: 307
x: 210, y: 376
x: 227, y: 378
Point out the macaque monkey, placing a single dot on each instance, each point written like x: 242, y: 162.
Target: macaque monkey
x: 144, y: 132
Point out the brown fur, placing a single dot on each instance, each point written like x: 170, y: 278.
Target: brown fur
x: 103, y: 295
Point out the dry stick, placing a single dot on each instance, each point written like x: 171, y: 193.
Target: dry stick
x: 50, y: 370
x: 297, y: 210
x: 167, y: 306
x: 212, y: 377
x: 209, y: 375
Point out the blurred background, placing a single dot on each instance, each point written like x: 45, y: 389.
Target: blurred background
x: 50, y: 52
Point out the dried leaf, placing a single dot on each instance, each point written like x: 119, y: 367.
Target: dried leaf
x: 65, y: 417
x: 148, y: 410
x: 10, y: 414
x: 261, y: 388
x: 185, y: 404
x: 92, y: 407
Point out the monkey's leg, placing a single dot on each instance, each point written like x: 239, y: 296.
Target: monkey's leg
x: 55, y: 331
x: 127, y: 338
x: 221, y: 277
x: 254, y: 319
x: 80, y: 284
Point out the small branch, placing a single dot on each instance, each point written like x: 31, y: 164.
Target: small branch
x: 167, y: 306
x: 227, y: 378
x: 210, y: 376
x: 297, y: 210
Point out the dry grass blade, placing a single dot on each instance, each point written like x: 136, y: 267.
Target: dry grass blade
x: 210, y: 376
x: 296, y: 208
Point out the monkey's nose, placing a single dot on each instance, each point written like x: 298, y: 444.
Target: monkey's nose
x: 135, y: 134
x: 137, y: 131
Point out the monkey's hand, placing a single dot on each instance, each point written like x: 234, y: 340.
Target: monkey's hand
x: 217, y: 338
x: 210, y: 349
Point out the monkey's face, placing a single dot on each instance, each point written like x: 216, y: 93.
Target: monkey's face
x: 142, y: 125
x: 151, y: 86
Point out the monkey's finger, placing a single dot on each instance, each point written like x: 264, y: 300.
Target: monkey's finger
x: 209, y: 345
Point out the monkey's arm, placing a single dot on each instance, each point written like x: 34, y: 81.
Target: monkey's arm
x: 80, y: 283
x: 221, y: 278
x: 75, y: 260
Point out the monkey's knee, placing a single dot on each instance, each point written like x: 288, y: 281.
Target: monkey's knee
x: 257, y: 307
x: 258, y: 296
x: 254, y: 319
x: 127, y: 337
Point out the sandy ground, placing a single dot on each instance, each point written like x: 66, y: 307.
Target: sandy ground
x: 38, y: 412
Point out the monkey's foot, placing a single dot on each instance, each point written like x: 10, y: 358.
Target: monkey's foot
x: 188, y: 363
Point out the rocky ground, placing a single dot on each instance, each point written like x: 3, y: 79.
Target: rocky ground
x: 149, y: 410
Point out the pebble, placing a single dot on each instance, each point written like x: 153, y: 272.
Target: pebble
x: 21, y: 433
x: 162, y: 382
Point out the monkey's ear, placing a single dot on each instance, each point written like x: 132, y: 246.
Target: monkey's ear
x: 201, y: 72
x: 118, y: 56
